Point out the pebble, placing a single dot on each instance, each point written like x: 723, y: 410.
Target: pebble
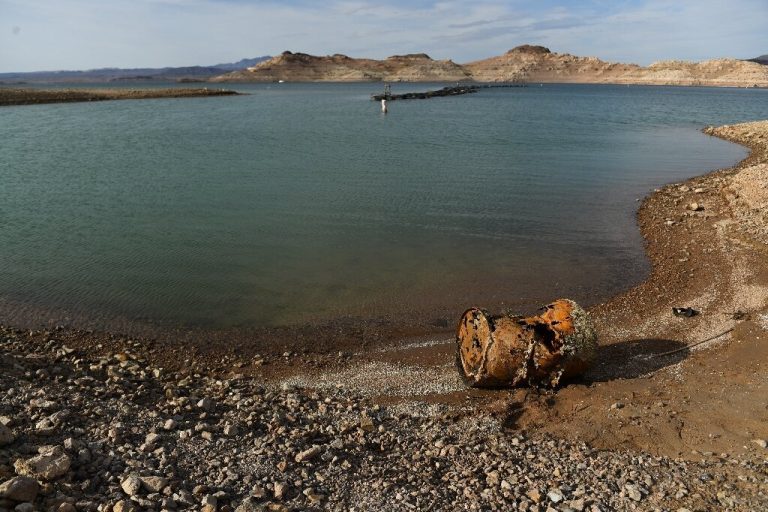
x: 206, y: 404
x: 308, y: 454
x: 6, y: 435
x: 131, y: 485
x: 153, y: 483
x: 280, y: 489
x: 555, y: 496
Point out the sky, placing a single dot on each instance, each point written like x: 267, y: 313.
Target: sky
x: 86, y: 34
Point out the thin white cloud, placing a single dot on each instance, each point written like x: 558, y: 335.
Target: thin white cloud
x: 81, y: 34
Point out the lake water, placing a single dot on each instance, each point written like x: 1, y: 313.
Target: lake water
x: 303, y: 203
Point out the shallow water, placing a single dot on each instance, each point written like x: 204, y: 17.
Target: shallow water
x: 302, y: 202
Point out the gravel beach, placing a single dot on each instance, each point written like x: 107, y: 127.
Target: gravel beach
x: 673, y: 417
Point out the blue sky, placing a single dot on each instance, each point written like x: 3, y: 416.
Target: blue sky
x: 85, y: 34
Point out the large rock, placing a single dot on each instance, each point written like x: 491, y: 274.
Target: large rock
x: 20, y: 488
x: 51, y: 464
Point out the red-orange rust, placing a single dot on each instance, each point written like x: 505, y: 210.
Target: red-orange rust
x: 508, y: 351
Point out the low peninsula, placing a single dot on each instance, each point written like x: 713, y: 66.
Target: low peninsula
x: 37, y: 96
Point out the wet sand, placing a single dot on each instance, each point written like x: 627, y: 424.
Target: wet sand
x: 9, y: 97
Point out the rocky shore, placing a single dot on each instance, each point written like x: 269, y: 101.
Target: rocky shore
x: 10, y: 96
x: 116, y: 433
x: 673, y: 417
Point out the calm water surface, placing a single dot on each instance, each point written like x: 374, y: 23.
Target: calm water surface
x: 301, y: 202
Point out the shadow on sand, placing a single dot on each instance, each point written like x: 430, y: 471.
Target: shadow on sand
x: 624, y: 360
x: 634, y: 358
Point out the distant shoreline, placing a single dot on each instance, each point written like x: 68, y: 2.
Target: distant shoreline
x: 28, y: 96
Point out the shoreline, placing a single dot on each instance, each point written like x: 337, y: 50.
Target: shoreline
x: 30, y: 96
x: 395, y: 428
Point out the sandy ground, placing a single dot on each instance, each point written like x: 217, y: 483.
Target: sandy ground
x: 10, y: 96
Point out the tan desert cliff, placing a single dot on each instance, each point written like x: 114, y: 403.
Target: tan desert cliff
x: 522, y: 64
x: 301, y: 67
x: 538, y: 64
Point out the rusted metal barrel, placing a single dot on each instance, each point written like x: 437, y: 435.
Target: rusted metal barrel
x: 510, y: 351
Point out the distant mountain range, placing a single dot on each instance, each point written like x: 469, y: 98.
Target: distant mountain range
x: 188, y: 73
x: 526, y: 63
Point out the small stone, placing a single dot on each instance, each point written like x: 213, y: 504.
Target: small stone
x: 280, y: 490
x: 315, y: 498
x: 131, y: 485
x: 206, y: 404
x: 6, y: 435
x: 633, y: 492
x: 125, y: 506
x: 695, y: 207
x: 170, y: 424
x: 151, y: 439
x: 153, y: 483
x: 577, y: 505
x: 209, y: 503
x: 20, y: 488
x: 24, y: 507
x: 309, y: 454
x: 230, y: 430
x: 617, y: 405
x: 534, y: 495
x: 366, y: 423
x: 555, y: 496
x: 249, y: 505
x: 66, y: 507
x: 698, y: 190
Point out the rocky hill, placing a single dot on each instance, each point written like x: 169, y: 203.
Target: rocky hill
x: 301, y: 67
x: 521, y: 64
x: 539, y: 64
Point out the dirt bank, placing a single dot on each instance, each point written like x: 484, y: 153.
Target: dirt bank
x: 36, y: 96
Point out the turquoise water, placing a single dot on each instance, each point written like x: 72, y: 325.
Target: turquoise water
x: 302, y: 202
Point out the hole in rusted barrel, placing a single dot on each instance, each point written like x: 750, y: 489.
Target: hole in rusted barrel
x: 508, y: 351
